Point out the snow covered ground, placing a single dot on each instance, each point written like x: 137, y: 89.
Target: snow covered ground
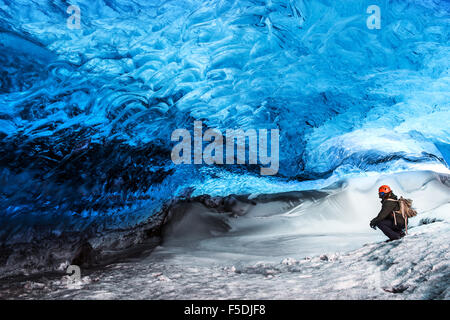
x: 276, y: 253
x: 416, y: 267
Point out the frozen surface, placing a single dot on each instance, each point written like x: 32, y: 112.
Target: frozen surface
x: 416, y: 267
x: 320, y: 249
x: 86, y: 118
x: 86, y: 115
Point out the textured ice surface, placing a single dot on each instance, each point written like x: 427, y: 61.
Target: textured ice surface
x: 320, y: 249
x: 86, y: 115
x: 416, y: 267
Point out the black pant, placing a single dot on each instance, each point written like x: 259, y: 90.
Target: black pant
x: 394, y: 232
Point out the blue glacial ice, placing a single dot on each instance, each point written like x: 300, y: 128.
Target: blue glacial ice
x: 86, y: 115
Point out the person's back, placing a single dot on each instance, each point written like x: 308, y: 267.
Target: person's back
x: 390, y: 222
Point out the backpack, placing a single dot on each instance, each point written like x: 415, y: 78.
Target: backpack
x: 406, y: 210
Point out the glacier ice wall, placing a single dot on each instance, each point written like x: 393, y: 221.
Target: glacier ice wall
x: 86, y: 115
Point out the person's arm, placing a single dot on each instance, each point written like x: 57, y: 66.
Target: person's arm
x: 386, y: 209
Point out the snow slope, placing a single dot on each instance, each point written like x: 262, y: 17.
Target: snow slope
x: 278, y: 249
x: 416, y: 267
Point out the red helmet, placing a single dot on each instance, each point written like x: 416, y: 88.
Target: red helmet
x: 384, y: 188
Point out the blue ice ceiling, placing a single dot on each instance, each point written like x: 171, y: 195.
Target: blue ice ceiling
x: 86, y: 115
